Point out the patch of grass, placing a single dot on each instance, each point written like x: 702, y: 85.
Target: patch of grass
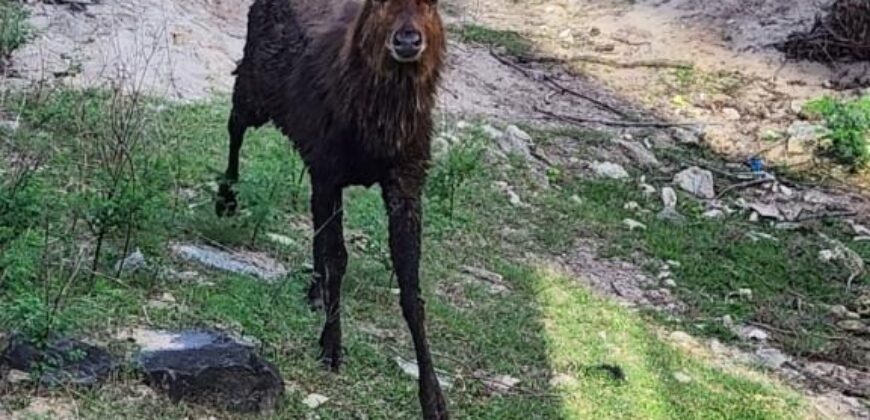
x: 512, y: 42
x: 848, y: 123
x: 14, y: 30
x: 545, y: 325
x: 791, y: 289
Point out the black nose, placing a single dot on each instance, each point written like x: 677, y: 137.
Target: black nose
x: 407, y: 40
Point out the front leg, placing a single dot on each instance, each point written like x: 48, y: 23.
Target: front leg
x: 402, y: 198
x: 330, y: 262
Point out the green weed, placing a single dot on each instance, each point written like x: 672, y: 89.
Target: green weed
x: 14, y: 30
x: 512, y: 42
x: 848, y: 123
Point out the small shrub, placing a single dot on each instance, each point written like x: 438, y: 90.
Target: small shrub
x: 452, y: 171
x: 14, y: 30
x: 848, y: 123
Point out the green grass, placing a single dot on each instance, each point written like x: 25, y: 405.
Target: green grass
x: 14, y: 30
x: 546, y: 325
x: 848, y: 123
x: 512, y: 42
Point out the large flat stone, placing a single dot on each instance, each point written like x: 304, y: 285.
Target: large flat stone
x: 207, y: 368
x: 65, y: 362
x: 238, y: 262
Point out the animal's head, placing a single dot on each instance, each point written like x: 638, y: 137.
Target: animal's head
x: 401, y: 31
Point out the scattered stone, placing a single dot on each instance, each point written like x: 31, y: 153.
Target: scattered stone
x: 682, y: 377
x: 631, y: 206
x: 208, y: 368
x: 313, y: 401
x: 647, y: 189
x: 754, y: 218
x: 576, y: 199
x: 132, y: 263
x: 787, y: 226
x: 280, y: 239
x: 494, y: 281
x: 411, y: 369
x: 727, y: 321
x: 819, y: 197
x: 491, y: 132
x: 634, y: 224
x: 670, y: 214
x: 16, y: 377
x: 670, y: 283
x: 862, y: 305
x: 839, y: 311
x: 861, y: 238
x: 827, y: 255
x: 673, y: 263
x: 669, y: 197
x: 768, y: 211
x: 756, y: 236
x: 609, y: 170
x: 515, y: 141
x: 69, y: 362
x: 500, y: 384
x: 752, y: 334
x: 745, y: 293
x: 852, y: 325
x: 731, y: 114
x: 239, y: 262
x: 165, y: 300
x: 771, y: 358
x: 714, y: 214
x: 685, y: 136
x: 640, y: 154
x: 696, y: 181
x: 860, y: 230
x: 514, y: 198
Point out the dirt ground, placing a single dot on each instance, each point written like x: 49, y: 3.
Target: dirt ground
x: 741, y: 89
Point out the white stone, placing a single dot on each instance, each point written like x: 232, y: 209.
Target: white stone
x: 609, y: 170
x: 313, y: 401
x: 696, y: 181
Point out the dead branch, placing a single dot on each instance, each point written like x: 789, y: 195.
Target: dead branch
x: 582, y: 120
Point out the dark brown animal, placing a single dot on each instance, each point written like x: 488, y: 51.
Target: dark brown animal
x: 353, y: 85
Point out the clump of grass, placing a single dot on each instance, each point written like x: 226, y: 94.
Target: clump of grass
x: 512, y: 42
x: 848, y: 123
x: 14, y: 30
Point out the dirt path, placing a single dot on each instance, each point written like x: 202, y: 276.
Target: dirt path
x: 739, y: 85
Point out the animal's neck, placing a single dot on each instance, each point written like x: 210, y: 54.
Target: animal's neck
x: 389, y: 103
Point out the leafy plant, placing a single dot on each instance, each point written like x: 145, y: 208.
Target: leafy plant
x: 453, y: 170
x: 14, y: 30
x: 512, y: 42
x: 848, y: 123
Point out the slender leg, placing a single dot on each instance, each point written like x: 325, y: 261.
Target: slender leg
x: 330, y: 262
x: 402, y: 200
x: 226, y: 203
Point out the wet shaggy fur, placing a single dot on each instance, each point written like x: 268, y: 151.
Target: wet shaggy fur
x: 322, y: 73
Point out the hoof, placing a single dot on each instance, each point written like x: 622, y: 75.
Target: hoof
x: 332, y: 359
x: 225, y: 204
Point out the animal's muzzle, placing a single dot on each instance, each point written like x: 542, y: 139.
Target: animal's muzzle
x: 407, y: 44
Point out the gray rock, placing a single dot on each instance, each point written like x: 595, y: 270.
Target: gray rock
x: 731, y: 114
x: 239, y: 262
x: 491, y: 132
x: 714, y: 214
x: 852, y: 325
x: 517, y: 142
x: 768, y: 211
x: 208, y: 368
x: 771, y: 358
x: 634, y: 224
x: 686, y: 136
x: 682, y: 377
x: 669, y: 197
x: 132, y: 263
x: 609, y: 170
x: 640, y: 154
x: 696, y: 181
x: 670, y: 214
x: 68, y: 362
x: 752, y: 334
x: 411, y: 369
